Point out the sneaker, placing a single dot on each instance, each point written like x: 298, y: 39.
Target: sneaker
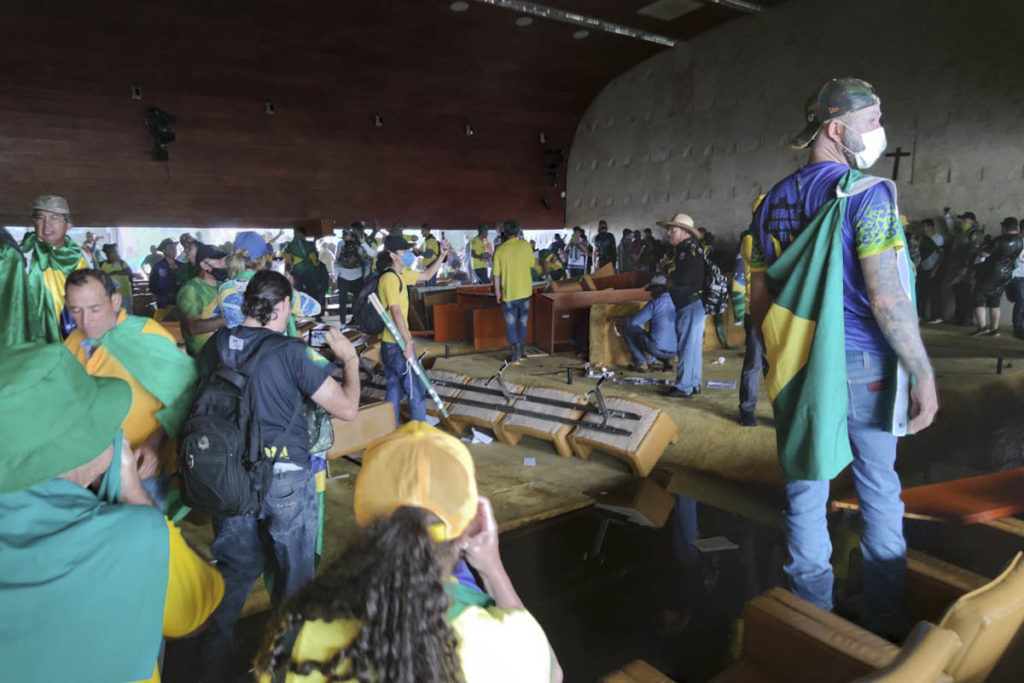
x: 638, y: 368
x: 992, y: 333
x: 747, y: 419
x: 675, y: 393
x: 667, y: 366
x: 978, y: 332
x: 935, y: 321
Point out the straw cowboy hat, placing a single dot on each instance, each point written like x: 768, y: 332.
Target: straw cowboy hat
x: 681, y: 220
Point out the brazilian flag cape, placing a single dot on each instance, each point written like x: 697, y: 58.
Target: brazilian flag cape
x: 805, y: 343
x: 158, y: 365
x: 302, y: 255
x: 32, y: 288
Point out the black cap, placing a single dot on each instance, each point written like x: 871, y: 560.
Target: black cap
x: 837, y: 97
x: 968, y: 214
x: 208, y: 252
x: 396, y: 243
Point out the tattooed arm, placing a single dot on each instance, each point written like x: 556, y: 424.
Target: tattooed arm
x: 896, y: 317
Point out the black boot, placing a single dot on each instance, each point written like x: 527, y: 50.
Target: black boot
x: 513, y: 353
x: 521, y: 347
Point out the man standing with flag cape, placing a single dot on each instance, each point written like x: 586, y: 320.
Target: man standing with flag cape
x: 832, y: 292
x: 110, y: 343
x: 32, y: 276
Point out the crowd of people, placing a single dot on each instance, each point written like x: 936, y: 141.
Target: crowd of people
x: 135, y: 415
x: 87, y: 497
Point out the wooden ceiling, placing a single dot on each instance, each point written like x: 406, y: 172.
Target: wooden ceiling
x: 68, y: 125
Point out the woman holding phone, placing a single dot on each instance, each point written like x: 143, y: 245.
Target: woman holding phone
x: 390, y: 609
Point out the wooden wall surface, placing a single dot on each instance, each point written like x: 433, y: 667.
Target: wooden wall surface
x: 69, y: 127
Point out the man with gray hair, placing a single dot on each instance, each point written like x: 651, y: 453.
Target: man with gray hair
x: 34, y: 293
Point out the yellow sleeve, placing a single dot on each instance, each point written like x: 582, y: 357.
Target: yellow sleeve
x: 499, y: 645
x: 496, y: 265
x: 153, y: 327
x: 194, y: 588
x: 410, y: 278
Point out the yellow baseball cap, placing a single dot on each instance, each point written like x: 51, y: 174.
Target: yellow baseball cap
x: 420, y: 466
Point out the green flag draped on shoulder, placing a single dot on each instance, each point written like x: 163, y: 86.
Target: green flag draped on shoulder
x: 158, y: 365
x: 805, y: 343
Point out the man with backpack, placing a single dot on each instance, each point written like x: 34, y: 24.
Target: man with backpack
x: 394, y: 263
x: 245, y: 452
x: 352, y: 257
x: 686, y: 275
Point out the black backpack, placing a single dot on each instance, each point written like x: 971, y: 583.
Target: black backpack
x: 350, y: 256
x: 222, y: 466
x: 365, y: 317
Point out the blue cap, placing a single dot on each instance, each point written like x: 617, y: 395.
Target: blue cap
x: 253, y: 243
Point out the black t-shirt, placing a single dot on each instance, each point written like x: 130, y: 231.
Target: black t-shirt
x: 1003, y: 253
x: 686, y: 273
x: 282, y: 378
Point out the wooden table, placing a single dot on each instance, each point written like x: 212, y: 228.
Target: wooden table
x: 961, y: 501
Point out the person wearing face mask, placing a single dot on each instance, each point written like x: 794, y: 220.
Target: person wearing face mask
x: 394, y: 263
x: 197, y: 299
x: 838, y: 352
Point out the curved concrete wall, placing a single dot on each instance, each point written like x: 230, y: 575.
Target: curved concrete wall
x: 704, y: 128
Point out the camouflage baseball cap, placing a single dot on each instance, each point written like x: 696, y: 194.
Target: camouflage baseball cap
x: 837, y: 97
x: 51, y: 202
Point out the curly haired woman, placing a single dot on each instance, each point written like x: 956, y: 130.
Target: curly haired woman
x: 389, y: 609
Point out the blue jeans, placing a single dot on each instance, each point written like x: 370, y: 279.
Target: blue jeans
x: 481, y: 276
x: 881, y: 510
x: 280, y: 538
x: 690, y: 333
x: 402, y: 381
x: 517, y: 316
x: 641, y: 345
x: 754, y: 365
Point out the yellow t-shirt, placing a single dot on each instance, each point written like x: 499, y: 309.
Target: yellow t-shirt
x: 512, y: 262
x: 390, y: 293
x: 431, y: 244
x: 140, y: 422
x: 194, y: 589
x: 477, y: 245
x: 496, y: 645
x: 124, y: 281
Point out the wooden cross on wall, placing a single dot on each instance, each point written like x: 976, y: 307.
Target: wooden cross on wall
x: 896, y: 161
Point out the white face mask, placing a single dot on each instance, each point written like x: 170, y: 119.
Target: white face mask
x: 873, y: 143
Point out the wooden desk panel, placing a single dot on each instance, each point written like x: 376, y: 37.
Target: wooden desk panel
x: 564, y: 316
x: 961, y: 501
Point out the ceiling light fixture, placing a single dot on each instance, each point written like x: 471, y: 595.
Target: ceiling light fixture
x: 581, y: 34
x: 524, y: 21
x: 459, y: 6
x: 545, y: 12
